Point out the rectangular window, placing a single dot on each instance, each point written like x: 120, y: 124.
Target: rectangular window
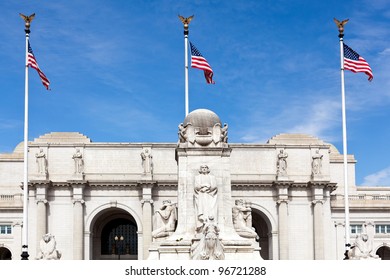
x: 5, y: 229
x: 382, y: 228
x: 356, y: 229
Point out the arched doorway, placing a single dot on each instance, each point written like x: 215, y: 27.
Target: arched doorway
x: 115, y: 236
x: 5, y: 254
x: 384, y: 253
x: 263, y: 229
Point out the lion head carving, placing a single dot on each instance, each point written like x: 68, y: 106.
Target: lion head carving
x: 48, y: 248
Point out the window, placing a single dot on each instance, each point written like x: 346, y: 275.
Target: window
x: 382, y: 228
x: 5, y: 229
x: 356, y: 229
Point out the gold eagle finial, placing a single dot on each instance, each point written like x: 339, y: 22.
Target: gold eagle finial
x: 27, y: 20
x: 340, y: 24
x: 186, y: 21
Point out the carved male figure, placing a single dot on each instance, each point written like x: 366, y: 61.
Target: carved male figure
x: 316, y: 163
x: 281, y: 164
x: 166, y: 218
x: 41, y: 160
x: 205, y: 194
x: 147, y: 162
x: 242, y: 219
x: 78, y: 161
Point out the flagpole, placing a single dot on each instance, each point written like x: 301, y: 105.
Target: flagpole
x: 186, y: 22
x: 345, y: 151
x: 25, y: 254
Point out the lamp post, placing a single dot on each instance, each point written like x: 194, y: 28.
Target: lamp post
x: 118, y: 243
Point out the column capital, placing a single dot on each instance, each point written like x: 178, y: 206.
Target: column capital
x: 339, y: 224
x: 44, y: 201
x: 81, y: 201
x: 282, y: 187
x: 143, y: 201
x: 280, y: 201
x: 315, y: 201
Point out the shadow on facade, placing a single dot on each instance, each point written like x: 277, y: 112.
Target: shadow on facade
x: 384, y: 253
x: 5, y: 254
x: 263, y: 229
x: 115, y: 236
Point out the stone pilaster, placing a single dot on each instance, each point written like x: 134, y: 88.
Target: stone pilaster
x: 282, y: 203
x: 41, y: 220
x: 147, y: 217
x: 318, y: 188
x: 78, y: 219
x: 318, y: 230
x: 41, y: 212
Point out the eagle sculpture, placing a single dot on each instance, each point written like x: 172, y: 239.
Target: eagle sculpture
x: 340, y: 24
x: 27, y: 19
x: 186, y: 21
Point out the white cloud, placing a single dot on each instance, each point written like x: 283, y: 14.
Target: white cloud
x: 380, y: 178
x: 318, y: 118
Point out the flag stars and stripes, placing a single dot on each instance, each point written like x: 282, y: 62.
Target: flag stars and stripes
x: 354, y: 62
x: 199, y: 62
x: 32, y: 62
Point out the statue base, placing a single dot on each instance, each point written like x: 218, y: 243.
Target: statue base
x: 39, y: 176
x: 182, y: 250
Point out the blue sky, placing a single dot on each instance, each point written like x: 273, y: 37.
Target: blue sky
x: 117, y: 71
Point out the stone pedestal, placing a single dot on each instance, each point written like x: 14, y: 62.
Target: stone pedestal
x: 203, y: 145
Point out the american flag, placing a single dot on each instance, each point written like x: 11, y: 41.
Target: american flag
x: 198, y: 61
x: 32, y: 62
x: 354, y: 62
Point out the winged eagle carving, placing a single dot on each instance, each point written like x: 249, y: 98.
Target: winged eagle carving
x: 27, y: 19
x: 340, y: 24
x: 186, y: 21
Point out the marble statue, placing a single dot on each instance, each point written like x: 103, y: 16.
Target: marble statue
x: 205, y: 194
x: 165, y: 220
x: 209, y: 246
x: 242, y: 219
x: 224, y: 132
x: 316, y: 164
x: 48, y: 249
x: 78, y: 162
x: 147, y: 162
x: 362, y: 248
x: 281, y: 164
x: 41, y: 161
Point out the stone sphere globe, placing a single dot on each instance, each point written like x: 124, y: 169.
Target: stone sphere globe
x: 202, y: 118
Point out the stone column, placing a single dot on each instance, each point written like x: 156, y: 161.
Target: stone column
x: 318, y: 229
x: 41, y: 220
x: 340, y: 240
x: 147, y: 217
x: 318, y: 219
x: 41, y: 213
x: 283, y: 218
x: 78, y: 220
x: 283, y: 229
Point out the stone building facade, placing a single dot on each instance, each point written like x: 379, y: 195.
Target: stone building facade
x: 137, y: 200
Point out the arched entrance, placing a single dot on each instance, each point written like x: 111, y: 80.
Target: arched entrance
x: 384, y: 253
x: 114, y: 236
x: 5, y: 254
x: 263, y: 229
